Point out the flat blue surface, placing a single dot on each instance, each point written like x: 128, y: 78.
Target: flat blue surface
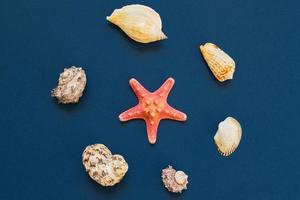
x: 41, y: 142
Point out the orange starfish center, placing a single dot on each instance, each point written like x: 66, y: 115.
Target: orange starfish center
x: 152, y: 107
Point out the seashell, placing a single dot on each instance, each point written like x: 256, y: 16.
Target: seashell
x: 71, y: 85
x: 220, y: 63
x: 174, y: 181
x: 103, y: 167
x: 139, y: 22
x: 228, y: 136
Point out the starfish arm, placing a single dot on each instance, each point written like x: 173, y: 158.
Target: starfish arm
x: 165, y: 89
x: 138, y: 89
x: 152, y: 130
x: 172, y: 113
x: 132, y: 113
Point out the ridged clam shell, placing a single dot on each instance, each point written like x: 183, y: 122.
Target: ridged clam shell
x: 103, y: 167
x: 220, y: 63
x: 139, y: 22
x: 228, y: 136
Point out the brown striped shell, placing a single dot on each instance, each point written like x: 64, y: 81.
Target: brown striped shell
x: 103, y: 167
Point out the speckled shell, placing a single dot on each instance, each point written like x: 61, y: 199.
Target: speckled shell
x: 228, y: 136
x: 174, y: 181
x: 71, y: 85
x: 139, y: 22
x: 103, y: 167
x: 220, y: 63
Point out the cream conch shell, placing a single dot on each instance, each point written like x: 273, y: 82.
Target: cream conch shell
x: 103, y: 167
x: 220, y: 63
x: 139, y: 22
x: 228, y: 136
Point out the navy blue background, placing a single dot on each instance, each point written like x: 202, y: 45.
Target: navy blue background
x: 41, y: 142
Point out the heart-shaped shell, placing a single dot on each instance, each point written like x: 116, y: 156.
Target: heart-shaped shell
x: 228, y: 136
x: 71, y: 85
x: 220, y: 63
x: 174, y: 181
x: 139, y: 22
x: 103, y: 167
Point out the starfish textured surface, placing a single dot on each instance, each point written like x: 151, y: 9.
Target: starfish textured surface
x: 152, y: 107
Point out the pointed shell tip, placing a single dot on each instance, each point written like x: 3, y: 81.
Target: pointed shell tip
x: 164, y: 36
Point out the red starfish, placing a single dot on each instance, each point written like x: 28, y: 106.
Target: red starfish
x: 152, y: 107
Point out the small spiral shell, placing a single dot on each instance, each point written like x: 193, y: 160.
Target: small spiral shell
x: 174, y: 181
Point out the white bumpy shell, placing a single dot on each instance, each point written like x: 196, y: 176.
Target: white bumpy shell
x: 141, y: 23
x: 71, y: 85
x: 228, y: 136
x: 103, y: 167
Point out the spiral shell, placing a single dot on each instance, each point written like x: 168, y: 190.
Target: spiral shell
x: 71, y: 85
x: 228, y: 136
x: 174, y: 181
x: 139, y: 22
x: 220, y: 63
x: 103, y: 167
